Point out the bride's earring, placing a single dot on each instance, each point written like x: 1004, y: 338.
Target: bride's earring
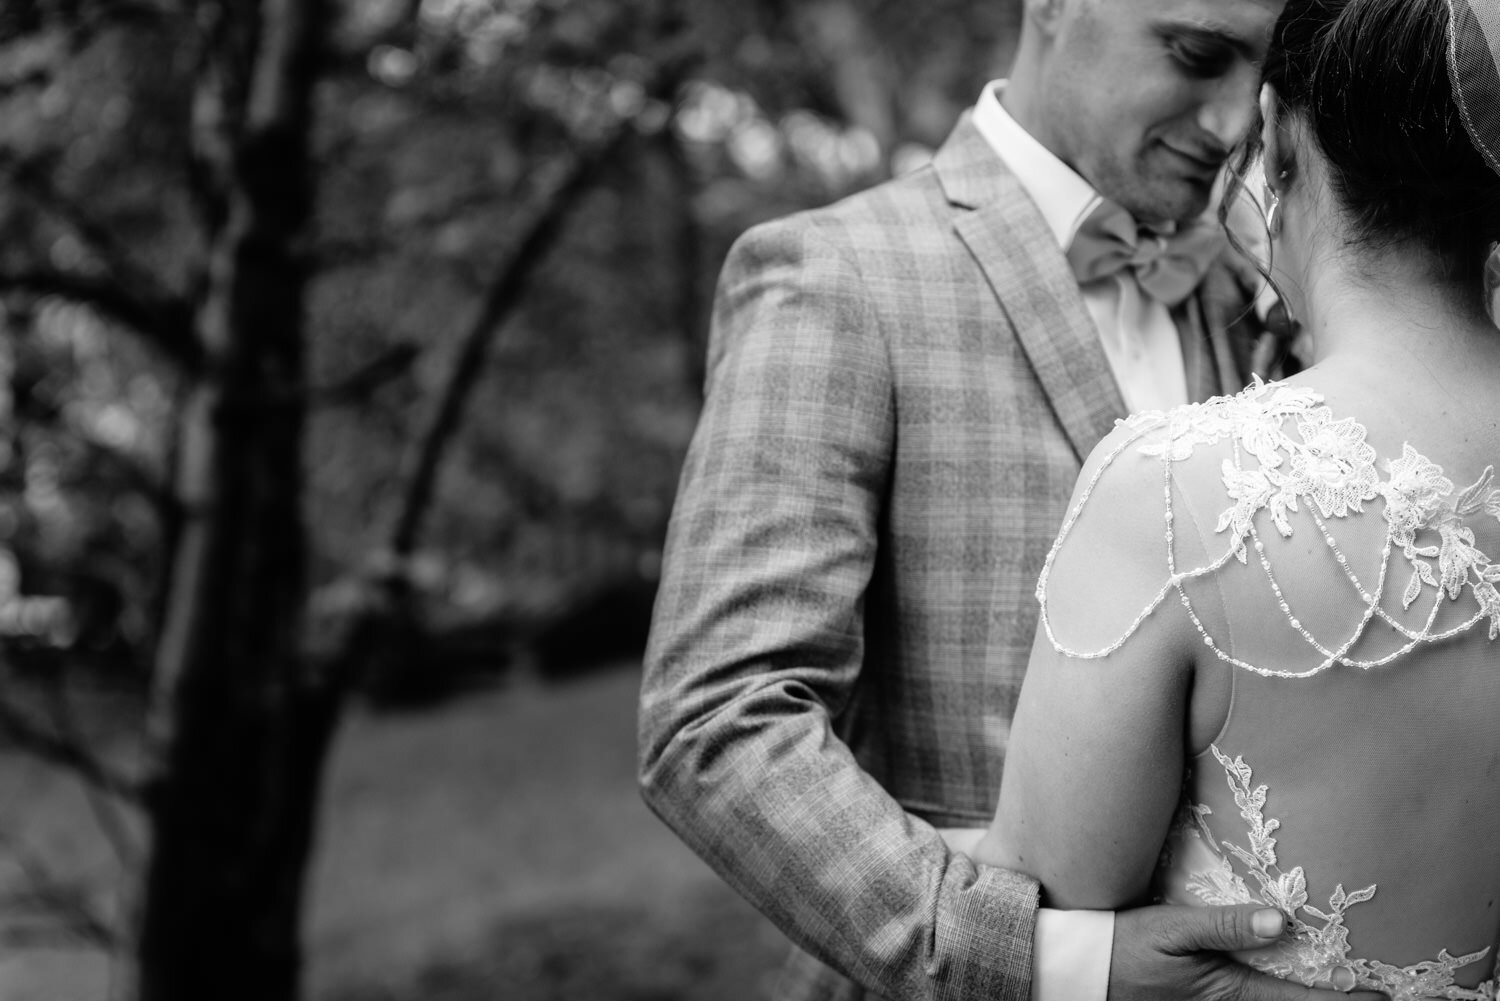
x: 1273, y: 207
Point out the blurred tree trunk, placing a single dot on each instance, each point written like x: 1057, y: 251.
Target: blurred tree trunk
x: 238, y: 731
x: 861, y: 74
x: 692, y: 313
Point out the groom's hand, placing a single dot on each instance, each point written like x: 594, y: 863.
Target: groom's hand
x: 1165, y: 953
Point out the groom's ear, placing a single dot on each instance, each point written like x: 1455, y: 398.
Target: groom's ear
x: 1045, y: 14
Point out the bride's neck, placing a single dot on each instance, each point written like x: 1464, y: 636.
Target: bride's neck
x: 1383, y: 306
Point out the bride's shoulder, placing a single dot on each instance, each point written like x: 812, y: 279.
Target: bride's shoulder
x: 1256, y: 418
x: 1274, y: 447
x: 1162, y: 496
x: 1203, y: 447
x: 1207, y: 496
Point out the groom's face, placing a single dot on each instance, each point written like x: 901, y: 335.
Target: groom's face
x: 1146, y: 98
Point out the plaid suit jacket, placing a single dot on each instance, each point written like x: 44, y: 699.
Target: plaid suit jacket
x: 902, y: 388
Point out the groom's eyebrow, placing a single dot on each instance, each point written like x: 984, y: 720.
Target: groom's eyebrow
x: 1208, y: 33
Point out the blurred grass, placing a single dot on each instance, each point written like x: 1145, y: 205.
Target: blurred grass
x: 707, y: 946
x: 491, y: 848
x: 497, y: 847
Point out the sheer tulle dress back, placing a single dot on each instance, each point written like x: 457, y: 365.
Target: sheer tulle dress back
x: 1343, y: 585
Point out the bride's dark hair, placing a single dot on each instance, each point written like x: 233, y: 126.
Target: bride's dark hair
x: 1370, y: 80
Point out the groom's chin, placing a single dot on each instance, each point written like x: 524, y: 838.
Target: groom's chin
x: 1169, y: 199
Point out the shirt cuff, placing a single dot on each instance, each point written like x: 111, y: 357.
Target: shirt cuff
x: 1070, y: 957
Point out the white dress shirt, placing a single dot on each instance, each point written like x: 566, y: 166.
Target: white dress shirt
x: 1137, y: 332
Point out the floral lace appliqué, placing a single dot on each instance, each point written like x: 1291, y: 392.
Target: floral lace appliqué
x: 1327, y: 470
x: 1316, y: 948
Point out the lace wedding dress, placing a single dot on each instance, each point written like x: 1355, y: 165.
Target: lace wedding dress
x: 1355, y: 784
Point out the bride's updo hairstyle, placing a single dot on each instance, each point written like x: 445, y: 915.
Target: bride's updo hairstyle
x: 1369, y: 78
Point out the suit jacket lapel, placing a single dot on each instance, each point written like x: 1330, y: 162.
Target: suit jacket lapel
x: 1028, y: 273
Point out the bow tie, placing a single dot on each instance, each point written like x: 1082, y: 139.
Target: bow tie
x: 1167, y: 266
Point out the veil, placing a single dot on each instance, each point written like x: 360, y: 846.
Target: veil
x: 1473, y: 47
x: 1473, y: 54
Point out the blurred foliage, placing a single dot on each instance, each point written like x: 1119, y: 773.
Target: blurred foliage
x: 441, y: 125
x: 554, y: 180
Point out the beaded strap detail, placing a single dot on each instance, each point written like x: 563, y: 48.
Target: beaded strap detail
x: 1327, y: 469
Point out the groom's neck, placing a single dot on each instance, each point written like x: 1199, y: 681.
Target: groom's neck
x: 1024, y: 100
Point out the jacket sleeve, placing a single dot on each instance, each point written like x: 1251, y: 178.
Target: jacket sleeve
x: 758, y: 639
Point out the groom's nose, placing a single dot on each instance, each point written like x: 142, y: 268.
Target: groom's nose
x: 1228, y: 107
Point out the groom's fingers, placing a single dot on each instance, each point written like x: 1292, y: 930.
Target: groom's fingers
x: 1219, y: 929
x: 1248, y: 985
x: 1166, y: 953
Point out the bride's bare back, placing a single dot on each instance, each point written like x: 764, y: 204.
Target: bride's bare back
x: 1339, y: 588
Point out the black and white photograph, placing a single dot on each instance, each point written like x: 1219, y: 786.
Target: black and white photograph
x: 749, y: 500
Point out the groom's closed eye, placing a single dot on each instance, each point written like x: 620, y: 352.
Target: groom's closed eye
x: 1201, y: 55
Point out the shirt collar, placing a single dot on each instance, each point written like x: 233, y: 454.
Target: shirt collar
x: 1061, y: 194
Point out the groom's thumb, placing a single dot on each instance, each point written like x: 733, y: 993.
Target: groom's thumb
x: 1223, y: 929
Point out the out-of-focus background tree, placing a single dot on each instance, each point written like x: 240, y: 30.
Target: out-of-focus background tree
x: 348, y: 353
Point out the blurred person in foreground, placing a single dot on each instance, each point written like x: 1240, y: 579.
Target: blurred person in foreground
x: 1269, y: 664
x: 902, y: 389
